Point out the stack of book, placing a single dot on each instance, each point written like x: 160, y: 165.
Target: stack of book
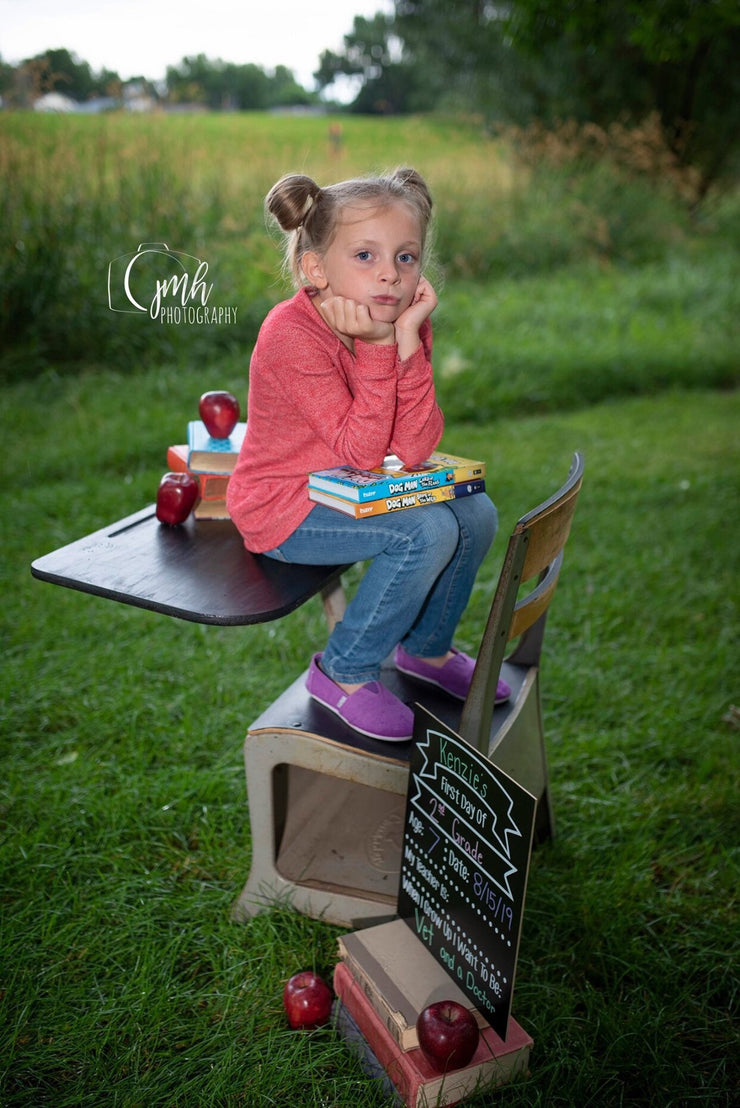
x: 392, y: 487
x: 211, y: 461
x: 384, y: 978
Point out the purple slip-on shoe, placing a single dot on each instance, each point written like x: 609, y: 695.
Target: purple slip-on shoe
x: 372, y: 710
x: 454, y: 676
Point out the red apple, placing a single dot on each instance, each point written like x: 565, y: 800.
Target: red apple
x: 219, y: 411
x: 448, y: 1034
x: 176, y: 497
x: 307, y: 1000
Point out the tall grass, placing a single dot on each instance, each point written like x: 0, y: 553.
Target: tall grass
x: 79, y: 192
x: 515, y: 224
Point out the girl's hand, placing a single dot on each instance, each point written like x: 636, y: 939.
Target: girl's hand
x: 353, y: 321
x: 422, y: 306
x: 409, y: 322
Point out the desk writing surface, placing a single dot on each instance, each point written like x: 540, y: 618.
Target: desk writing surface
x: 199, y: 571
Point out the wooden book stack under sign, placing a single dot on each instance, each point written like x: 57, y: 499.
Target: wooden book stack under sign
x: 386, y: 976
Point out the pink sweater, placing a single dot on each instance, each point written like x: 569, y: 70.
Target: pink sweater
x: 313, y: 404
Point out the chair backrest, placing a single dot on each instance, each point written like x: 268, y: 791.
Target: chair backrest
x: 535, y: 550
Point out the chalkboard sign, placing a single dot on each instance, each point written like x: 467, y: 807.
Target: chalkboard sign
x: 466, y: 846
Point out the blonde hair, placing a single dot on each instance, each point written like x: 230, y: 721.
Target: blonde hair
x: 308, y: 215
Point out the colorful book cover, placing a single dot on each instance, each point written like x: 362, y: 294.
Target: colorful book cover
x: 419, y: 1084
x: 212, y: 485
x: 392, y: 478
x: 396, y: 503
x: 209, y: 455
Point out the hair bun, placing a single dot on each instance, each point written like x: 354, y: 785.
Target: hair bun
x: 413, y: 180
x: 291, y: 199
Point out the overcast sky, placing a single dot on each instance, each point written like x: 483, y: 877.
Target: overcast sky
x: 143, y: 37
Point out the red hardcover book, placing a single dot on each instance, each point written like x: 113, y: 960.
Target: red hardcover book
x: 212, y: 485
x: 418, y: 1084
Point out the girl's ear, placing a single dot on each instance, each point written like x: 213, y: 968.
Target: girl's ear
x: 313, y: 269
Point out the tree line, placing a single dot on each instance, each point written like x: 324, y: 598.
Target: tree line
x: 212, y: 84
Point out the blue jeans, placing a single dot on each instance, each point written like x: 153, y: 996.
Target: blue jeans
x: 423, y: 563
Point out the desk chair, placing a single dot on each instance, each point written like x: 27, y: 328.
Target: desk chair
x: 327, y: 804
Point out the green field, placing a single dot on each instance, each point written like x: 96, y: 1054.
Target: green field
x: 580, y: 309
x: 564, y: 279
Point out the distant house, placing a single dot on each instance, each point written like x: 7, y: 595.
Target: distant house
x: 99, y: 104
x: 55, y: 102
x: 136, y: 97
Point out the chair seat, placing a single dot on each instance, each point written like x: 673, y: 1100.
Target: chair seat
x: 296, y: 710
x: 327, y: 804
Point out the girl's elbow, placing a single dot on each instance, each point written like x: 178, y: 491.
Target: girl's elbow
x: 364, y: 455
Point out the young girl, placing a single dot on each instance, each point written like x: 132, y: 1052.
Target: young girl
x: 341, y: 374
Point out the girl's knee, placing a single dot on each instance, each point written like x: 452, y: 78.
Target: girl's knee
x: 486, y: 518
x: 435, y: 533
x: 478, y: 516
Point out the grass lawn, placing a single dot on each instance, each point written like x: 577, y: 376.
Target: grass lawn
x: 125, y: 833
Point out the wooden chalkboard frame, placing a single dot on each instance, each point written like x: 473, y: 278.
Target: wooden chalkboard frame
x: 467, y: 842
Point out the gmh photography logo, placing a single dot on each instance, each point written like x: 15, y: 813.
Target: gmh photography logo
x: 167, y: 285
